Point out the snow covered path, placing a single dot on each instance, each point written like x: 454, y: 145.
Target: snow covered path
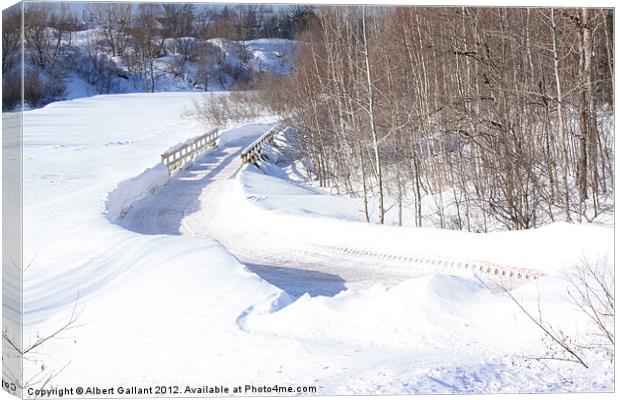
x: 200, y: 201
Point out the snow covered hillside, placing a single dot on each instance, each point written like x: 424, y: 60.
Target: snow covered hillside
x: 88, y: 67
x: 316, y: 303
x: 225, y: 66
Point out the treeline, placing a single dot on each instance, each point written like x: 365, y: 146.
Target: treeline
x: 477, y: 118
x: 124, y: 41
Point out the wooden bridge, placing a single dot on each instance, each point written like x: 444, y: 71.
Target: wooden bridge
x: 180, y: 155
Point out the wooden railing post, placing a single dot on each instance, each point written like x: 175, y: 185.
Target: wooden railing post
x: 253, y: 153
x: 179, y: 156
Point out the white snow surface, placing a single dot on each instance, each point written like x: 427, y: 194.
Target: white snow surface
x: 162, y: 303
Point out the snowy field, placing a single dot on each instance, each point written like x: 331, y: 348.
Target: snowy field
x: 164, y: 298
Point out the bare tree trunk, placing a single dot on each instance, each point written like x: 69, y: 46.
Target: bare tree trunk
x: 608, y: 21
x: 371, y: 116
x: 560, y: 116
x: 592, y: 139
x: 364, y: 186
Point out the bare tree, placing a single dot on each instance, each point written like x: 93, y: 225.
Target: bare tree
x: 371, y: 117
x: 35, y: 34
x: 470, y: 111
x: 11, y: 58
x: 11, y: 38
x: 148, y: 43
x: 114, y: 20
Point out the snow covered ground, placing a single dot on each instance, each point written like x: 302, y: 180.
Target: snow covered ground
x: 161, y: 302
x: 287, y: 200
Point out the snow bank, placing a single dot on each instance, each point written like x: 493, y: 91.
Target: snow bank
x: 187, y: 297
x: 408, y: 315
x: 128, y: 192
x: 425, y: 312
x: 448, y: 331
x: 272, y: 197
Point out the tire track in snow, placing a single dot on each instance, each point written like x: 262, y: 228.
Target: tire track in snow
x: 444, y: 265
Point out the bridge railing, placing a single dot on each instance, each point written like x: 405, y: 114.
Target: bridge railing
x: 177, y: 157
x: 252, y: 153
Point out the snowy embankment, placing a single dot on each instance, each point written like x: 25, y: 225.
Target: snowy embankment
x: 434, y: 310
x: 132, y: 190
x: 273, y: 197
x: 163, y: 298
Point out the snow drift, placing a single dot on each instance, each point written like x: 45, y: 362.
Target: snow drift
x: 274, y: 196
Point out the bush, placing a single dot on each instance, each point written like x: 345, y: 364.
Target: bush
x: 219, y: 110
x: 42, y: 87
